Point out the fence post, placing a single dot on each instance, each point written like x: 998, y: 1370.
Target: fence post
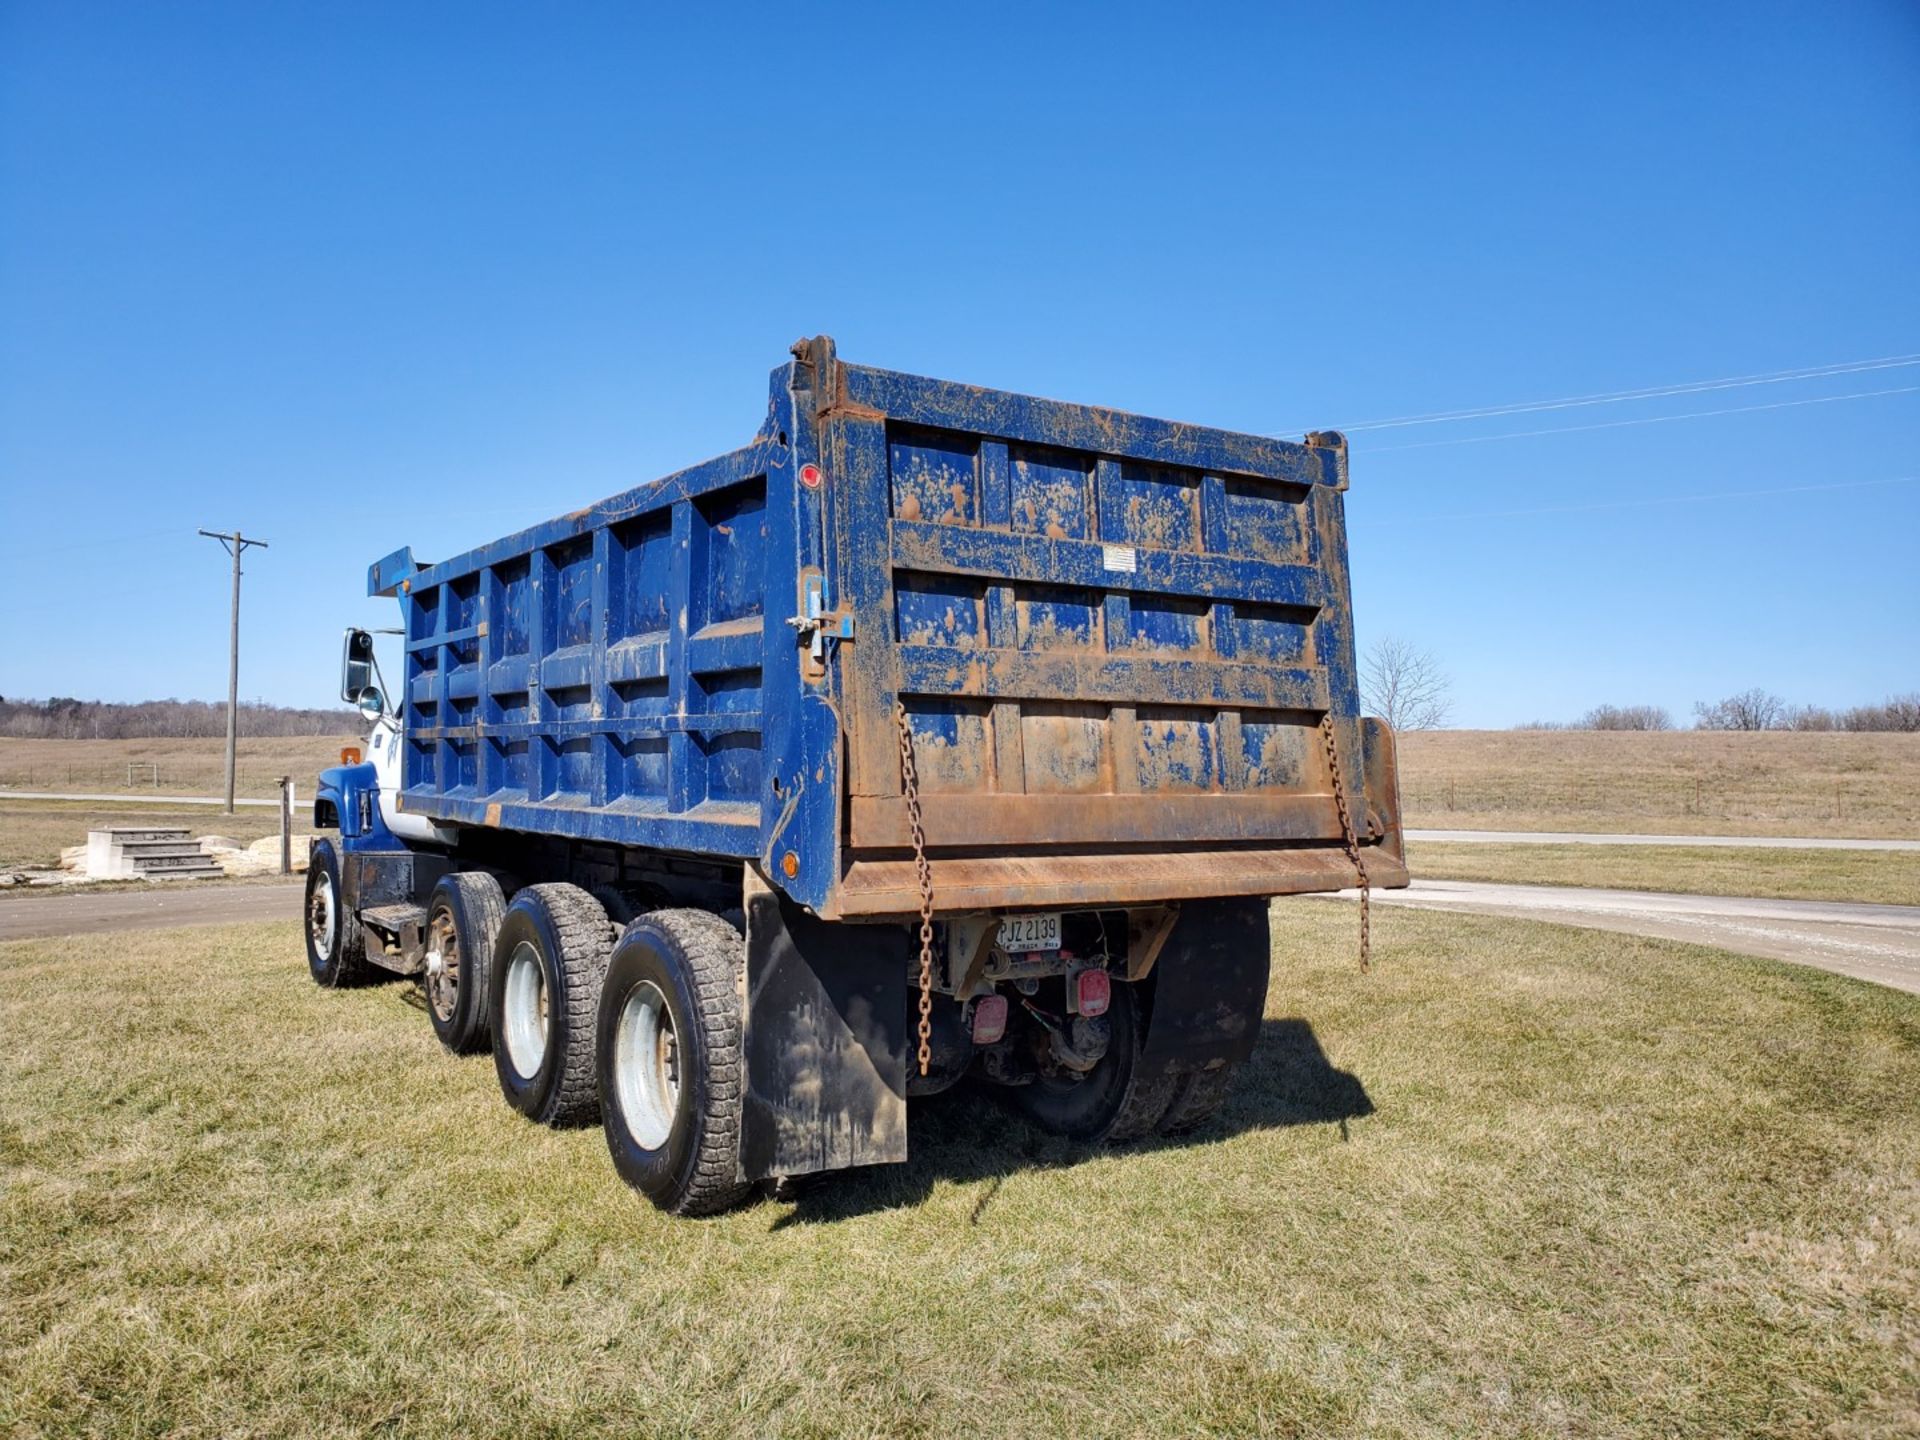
x: 286, y: 824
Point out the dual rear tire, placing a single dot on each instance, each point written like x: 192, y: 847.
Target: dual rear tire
x: 1118, y: 1101
x: 543, y: 987
x: 668, y: 1052
x: 644, y: 1036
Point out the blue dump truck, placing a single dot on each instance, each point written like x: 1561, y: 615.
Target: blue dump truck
x: 938, y: 733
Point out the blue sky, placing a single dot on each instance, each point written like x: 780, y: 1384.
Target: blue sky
x: 352, y: 276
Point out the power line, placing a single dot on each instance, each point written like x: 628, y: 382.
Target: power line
x: 1614, y: 397
x: 1645, y: 501
x: 1648, y: 420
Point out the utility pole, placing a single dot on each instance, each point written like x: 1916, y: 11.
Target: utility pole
x: 234, y: 544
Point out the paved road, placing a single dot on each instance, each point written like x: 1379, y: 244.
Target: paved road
x: 1872, y: 942
x: 174, y: 902
x: 130, y: 799
x: 1570, y: 837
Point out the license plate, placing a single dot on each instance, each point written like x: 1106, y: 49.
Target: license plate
x: 1021, y: 933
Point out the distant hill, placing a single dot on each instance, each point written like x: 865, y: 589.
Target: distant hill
x: 62, y: 718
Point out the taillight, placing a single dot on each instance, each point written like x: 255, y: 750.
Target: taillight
x: 811, y: 477
x: 1092, y: 992
x: 989, y: 1019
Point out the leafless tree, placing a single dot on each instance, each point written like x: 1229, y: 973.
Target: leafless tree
x: 1405, y: 686
x: 1754, y: 709
x: 1897, y: 712
x: 1626, y: 717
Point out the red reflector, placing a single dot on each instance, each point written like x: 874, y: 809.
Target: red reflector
x: 1093, y: 992
x: 811, y: 477
x: 989, y: 1019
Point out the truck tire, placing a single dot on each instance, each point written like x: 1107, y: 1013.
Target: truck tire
x: 463, y: 923
x: 1112, y: 1102
x: 542, y: 986
x: 1198, y: 1098
x: 626, y: 903
x: 336, y: 948
x: 668, y: 1051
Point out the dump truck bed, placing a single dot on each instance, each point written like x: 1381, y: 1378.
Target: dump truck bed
x: 1111, y: 641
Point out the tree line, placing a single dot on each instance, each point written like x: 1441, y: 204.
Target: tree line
x: 64, y: 718
x: 1750, y: 710
x: 1408, y: 688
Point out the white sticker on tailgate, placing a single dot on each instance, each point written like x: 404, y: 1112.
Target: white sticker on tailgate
x: 1121, y: 557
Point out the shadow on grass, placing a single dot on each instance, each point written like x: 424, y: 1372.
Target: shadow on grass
x: 969, y: 1135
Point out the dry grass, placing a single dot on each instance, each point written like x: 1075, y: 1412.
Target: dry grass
x: 1557, y: 1182
x: 1684, y: 782
x: 33, y: 832
x: 1886, y: 877
x: 187, y: 767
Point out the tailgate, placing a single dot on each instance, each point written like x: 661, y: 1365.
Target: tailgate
x: 1104, y: 630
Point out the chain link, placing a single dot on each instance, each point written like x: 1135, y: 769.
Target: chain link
x: 1352, y: 843
x: 923, y: 872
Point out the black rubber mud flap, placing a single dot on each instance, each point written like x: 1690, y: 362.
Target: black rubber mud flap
x: 825, y: 1045
x: 1209, y: 987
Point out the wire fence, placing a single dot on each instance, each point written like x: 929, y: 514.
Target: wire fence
x: 141, y: 777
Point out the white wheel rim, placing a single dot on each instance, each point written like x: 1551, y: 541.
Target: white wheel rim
x: 646, y: 1066
x: 526, y: 1011
x: 322, y: 916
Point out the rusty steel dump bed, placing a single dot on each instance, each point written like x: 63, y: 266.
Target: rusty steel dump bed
x: 1113, y: 640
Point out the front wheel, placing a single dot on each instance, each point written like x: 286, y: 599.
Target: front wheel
x: 667, y: 1047
x: 336, y: 950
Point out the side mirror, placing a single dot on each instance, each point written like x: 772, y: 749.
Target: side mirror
x: 356, y: 666
x: 372, y: 704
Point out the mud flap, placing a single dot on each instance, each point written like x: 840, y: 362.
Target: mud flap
x: 1209, y: 987
x: 824, y: 1047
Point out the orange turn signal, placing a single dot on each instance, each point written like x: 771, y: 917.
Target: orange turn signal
x: 349, y: 754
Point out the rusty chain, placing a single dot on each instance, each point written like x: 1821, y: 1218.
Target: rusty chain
x: 923, y: 872
x: 1351, y: 841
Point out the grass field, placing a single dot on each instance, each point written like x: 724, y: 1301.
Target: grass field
x: 1884, y: 877
x: 33, y: 832
x: 1522, y: 1180
x: 186, y: 767
x: 1685, y: 782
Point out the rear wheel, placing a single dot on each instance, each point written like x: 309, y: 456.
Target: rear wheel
x: 336, y: 950
x: 1113, y: 1101
x: 543, y: 985
x: 1198, y: 1099
x: 463, y: 922
x: 668, y: 1052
